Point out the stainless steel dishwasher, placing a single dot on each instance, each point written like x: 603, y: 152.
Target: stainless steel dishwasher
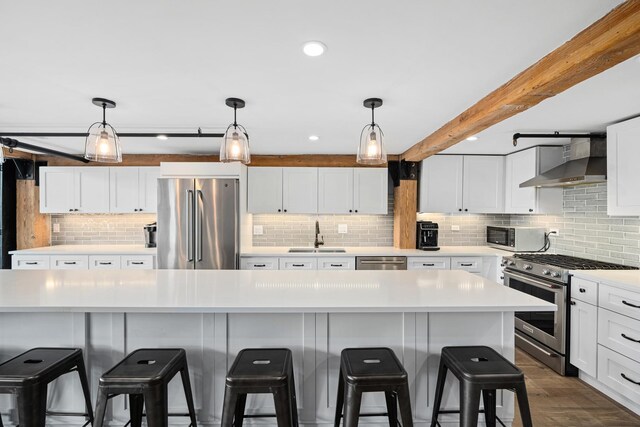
x: 381, y: 263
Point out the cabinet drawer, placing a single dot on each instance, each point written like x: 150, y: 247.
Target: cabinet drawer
x: 259, y: 263
x: 136, y: 262
x: 341, y: 263
x: 29, y: 262
x: 470, y: 264
x: 584, y: 290
x: 69, y: 262
x: 298, y: 264
x: 104, y: 262
x: 428, y: 263
x: 619, y: 300
x: 620, y: 373
x: 619, y: 333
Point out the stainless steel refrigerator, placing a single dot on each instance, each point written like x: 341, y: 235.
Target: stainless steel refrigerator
x: 198, y: 224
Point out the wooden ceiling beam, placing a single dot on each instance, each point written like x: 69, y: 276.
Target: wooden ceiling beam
x: 607, y: 42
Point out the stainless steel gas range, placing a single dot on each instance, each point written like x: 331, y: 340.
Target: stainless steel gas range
x: 545, y: 335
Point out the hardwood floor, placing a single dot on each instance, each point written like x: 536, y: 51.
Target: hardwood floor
x: 565, y: 401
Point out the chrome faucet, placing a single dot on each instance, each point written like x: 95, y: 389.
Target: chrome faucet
x: 317, y: 243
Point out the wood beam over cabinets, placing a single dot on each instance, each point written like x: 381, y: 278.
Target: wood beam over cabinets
x: 607, y: 42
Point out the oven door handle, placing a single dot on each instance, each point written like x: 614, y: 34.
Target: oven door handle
x: 532, y: 280
x: 540, y: 349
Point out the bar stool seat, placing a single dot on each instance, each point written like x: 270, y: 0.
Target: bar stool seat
x: 144, y: 375
x: 372, y: 370
x: 480, y: 370
x: 28, y: 375
x: 261, y: 370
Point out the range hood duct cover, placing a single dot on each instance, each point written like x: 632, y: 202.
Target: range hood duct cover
x: 587, y: 164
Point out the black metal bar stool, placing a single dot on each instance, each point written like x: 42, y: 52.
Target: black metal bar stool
x: 480, y: 370
x: 261, y: 370
x: 28, y: 375
x: 369, y: 370
x: 144, y: 376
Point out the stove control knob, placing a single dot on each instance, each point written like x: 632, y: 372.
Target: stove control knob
x: 546, y: 272
x: 512, y: 263
x: 555, y: 274
x: 528, y: 266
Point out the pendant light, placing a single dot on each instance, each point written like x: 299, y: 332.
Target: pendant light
x: 102, y: 143
x: 235, y: 144
x: 371, y: 149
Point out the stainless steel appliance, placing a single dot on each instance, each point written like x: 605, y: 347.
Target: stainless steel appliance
x: 198, y: 223
x: 150, y: 231
x: 545, y: 335
x: 427, y: 236
x: 516, y: 239
x: 381, y: 263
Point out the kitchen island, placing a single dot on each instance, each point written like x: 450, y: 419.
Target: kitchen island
x: 214, y: 314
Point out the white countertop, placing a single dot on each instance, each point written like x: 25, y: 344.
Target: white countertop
x: 228, y: 291
x: 88, y: 250
x: 445, y: 251
x: 629, y: 279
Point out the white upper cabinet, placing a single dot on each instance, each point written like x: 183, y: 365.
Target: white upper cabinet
x: 524, y: 165
x: 441, y: 184
x: 623, y: 173
x: 74, y: 189
x: 133, y: 189
x: 472, y: 184
x: 483, y: 184
x: 335, y: 190
x: 264, y: 190
x: 300, y: 190
x: 370, y: 190
x: 353, y: 190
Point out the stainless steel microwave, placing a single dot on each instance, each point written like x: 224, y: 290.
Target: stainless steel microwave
x: 516, y: 239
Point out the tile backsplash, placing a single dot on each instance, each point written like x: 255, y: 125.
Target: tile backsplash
x: 86, y: 229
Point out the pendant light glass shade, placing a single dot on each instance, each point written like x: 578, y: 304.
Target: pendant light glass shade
x: 371, y: 149
x: 235, y: 144
x: 102, y: 143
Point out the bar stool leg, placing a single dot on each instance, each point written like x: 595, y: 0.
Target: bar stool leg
x: 241, y: 404
x: 1, y: 425
x: 489, y: 401
x: 101, y: 407
x: 156, y: 402
x: 186, y: 384
x: 339, y: 400
x: 283, y: 406
x: 442, y: 376
x: 82, y: 373
x: 523, y: 405
x: 392, y: 408
x: 353, y: 399
x: 136, y: 404
x: 292, y: 397
x: 469, y: 404
x: 228, y: 407
x: 32, y: 406
x: 404, y: 400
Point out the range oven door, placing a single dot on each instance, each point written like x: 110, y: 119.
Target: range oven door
x: 547, y: 327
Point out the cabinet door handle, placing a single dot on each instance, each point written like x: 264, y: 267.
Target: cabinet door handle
x: 297, y: 265
x: 530, y: 210
x: 465, y: 264
x: 630, y: 305
x: 139, y: 209
x: 428, y: 265
x: 70, y: 210
x: 350, y: 210
x: 336, y: 265
x: 137, y: 262
x: 70, y: 263
x: 629, y: 379
x: 583, y: 290
x: 31, y: 262
x: 356, y: 210
x: 629, y: 338
x: 573, y: 303
x: 285, y: 210
x: 279, y: 210
x: 259, y: 265
x: 466, y: 210
x: 105, y: 263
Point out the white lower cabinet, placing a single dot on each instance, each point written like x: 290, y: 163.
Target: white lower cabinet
x: 298, y: 264
x: 428, y: 263
x: 619, y: 373
x: 583, y: 341
x: 83, y: 262
x: 137, y: 262
x: 338, y: 263
x: 104, y: 262
x: 259, y: 263
x: 29, y: 262
x: 69, y: 262
x: 470, y: 264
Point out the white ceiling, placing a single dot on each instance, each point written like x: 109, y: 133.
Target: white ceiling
x: 170, y: 64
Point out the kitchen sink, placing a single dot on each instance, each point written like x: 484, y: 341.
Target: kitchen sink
x: 312, y: 250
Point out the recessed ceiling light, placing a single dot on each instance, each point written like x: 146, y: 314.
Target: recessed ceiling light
x: 314, y: 48
x: 162, y: 137
x: 472, y: 138
x: 314, y: 138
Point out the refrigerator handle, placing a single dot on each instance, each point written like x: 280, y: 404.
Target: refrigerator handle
x: 189, y: 211
x: 199, y: 209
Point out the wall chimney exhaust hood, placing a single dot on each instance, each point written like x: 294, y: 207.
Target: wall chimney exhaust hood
x: 587, y: 164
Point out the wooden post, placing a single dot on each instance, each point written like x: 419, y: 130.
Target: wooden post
x: 405, y: 206
x: 33, y: 229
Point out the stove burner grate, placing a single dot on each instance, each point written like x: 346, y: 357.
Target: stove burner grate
x: 571, y: 262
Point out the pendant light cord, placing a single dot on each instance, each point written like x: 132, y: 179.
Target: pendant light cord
x: 235, y: 123
x: 104, y: 114
x: 373, y: 122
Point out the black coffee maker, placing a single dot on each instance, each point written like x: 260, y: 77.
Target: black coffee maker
x: 427, y: 236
